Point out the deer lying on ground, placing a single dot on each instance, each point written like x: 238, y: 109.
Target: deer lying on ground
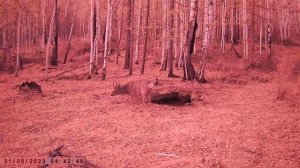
x: 135, y: 88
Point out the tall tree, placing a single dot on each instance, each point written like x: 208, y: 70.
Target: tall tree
x: 107, y: 38
x: 245, y: 31
x: 171, y: 39
x: 54, y: 40
x: 164, y: 53
x: 129, y: 38
x: 48, y: 45
x: 131, y: 12
x: 92, y: 38
x: 18, y: 45
x: 146, y: 37
x: 188, y: 70
x: 138, y: 32
x: 70, y: 34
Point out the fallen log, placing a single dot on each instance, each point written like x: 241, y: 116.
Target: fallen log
x: 171, y: 98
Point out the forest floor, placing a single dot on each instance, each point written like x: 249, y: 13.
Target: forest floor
x: 235, y: 120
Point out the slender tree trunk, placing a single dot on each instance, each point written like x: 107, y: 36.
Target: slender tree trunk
x: 43, y: 40
x: 245, y: 31
x: 260, y: 30
x: 171, y: 40
x: 146, y: 37
x: 120, y: 31
x: 92, y: 38
x: 183, y: 35
x: 54, y: 40
x: 48, y: 46
x: 97, y: 36
x: 18, y: 46
x: 107, y: 38
x: 163, y: 64
x: 70, y: 34
x: 223, y: 36
x: 128, y: 32
x: 131, y: 40
x: 138, y: 33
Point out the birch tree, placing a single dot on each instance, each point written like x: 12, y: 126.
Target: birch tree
x: 48, y: 45
x: 92, y: 38
x: 107, y: 38
x: 207, y: 37
x: 164, y: 53
x: 245, y: 31
x: 188, y: 70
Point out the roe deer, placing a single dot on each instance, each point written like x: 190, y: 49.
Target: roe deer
x: 135, y: 88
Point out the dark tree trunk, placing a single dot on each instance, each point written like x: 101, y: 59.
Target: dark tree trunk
x: 188, y: 69
x: 128, y: 43
x: 146, y: 37
x: 54, y: 40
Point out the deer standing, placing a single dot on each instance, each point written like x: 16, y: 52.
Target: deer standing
x: 135, y: 88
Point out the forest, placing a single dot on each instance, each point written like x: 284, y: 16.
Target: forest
x: 140, y: 83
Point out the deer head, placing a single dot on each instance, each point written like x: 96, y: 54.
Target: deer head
x: 118, y: 89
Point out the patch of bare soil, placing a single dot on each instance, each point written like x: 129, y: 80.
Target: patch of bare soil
x: 233, y: 121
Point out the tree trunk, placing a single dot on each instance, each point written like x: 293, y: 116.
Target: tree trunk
x: 128, y: 32
x: 48, y: 46
x: 207, y: 38
x: 163, y: 65
x: 120, y: 31
x: 188, y: 70
x: 54, y: 40
x: 171, y: 40
x: 223, y: 36
x: 245, y: 31
x: 138, y: 33
x: 18, y: 46
x: 70, y: 34
x: 92, y: 38
x: 146, y: 37
x: 107, y: 38
x: 43, y: 40
x: 131, y: 40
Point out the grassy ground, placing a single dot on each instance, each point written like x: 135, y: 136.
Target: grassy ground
x: 233, y: 121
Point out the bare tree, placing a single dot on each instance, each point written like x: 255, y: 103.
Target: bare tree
x: 92, y: 38
x: 146, y: 37
x: 129, y: 38
x: 138, y: 32
x: 107, y: 38
x: 188, y: 70
x: 54, y: 39
x: 171, y: 40
x: 43, y: 40
x: 18, y: 46
x: 48, y: 46
x: 70, y: 34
